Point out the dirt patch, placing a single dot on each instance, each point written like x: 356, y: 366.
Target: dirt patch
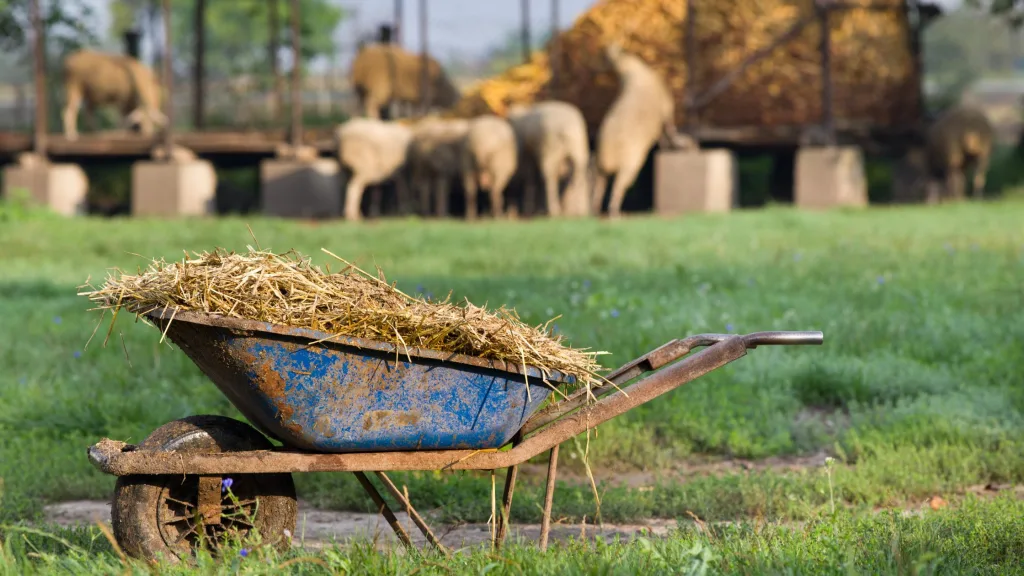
x: 316, y: 528
x: 643, y: 479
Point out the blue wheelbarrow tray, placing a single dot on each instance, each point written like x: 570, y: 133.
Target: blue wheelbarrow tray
x: 319, y: 392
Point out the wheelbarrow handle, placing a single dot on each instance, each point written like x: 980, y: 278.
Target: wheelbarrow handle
x: 782, y: 338
x: 663, y: 356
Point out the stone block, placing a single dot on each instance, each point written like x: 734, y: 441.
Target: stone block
x: 61, y: 187
x: 695, y: 181
x: 301, y: 188
x: 830, y: 177
x: 183, y: 188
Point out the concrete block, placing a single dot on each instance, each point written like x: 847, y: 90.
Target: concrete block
x: 61, y: 187
x: 173, y: 188
x: 301, y: 188
x: 830, y: 177
x: 695, y: 181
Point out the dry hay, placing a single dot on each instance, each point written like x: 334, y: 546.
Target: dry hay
x: 286, y: 289
x: 873, y: 68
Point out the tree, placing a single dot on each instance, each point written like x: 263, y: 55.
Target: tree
x: 238, y: 31
x: 68, y: 25
x: 1011, y: 10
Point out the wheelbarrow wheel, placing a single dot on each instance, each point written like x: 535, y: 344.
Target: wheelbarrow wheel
x: 158, y: 516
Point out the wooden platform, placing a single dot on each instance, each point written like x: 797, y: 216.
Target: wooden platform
x: 126, y: 144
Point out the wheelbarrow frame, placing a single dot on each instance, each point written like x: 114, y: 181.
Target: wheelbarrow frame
x: 543, y: 431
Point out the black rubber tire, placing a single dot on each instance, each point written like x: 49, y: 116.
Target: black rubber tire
x: 141, y: 502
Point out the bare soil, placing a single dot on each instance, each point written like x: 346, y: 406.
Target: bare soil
x: 316, y: 528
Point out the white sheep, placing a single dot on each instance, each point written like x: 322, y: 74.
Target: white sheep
x: 371, y: 152
x: 552, y: 139
x: 489, y: 159
x: 642, y: 113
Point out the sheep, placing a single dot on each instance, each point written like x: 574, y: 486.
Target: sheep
x: 101, y: 79
x: 960, y: 139
x: 371, y: 152
x: 552, y: 137
x: 384, y: 73
x: 642, y: 113
x: 435, y: 160
x: 489, y: 159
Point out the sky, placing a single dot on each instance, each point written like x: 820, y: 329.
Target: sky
x: 466, y: 27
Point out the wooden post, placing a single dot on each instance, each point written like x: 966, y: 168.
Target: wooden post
x: 198, y: 72
x: 424, y: 60
x: 296, y: 77
x: 827, y: 120
x: 553, y: 45
x: 168, y: 77
x: 396, y: 31
x: 272, y: 49
x: 691, y: 67
x: 525, y: 12
x: 39, y: 66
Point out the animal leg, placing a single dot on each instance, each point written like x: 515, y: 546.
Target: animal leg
x: 497, y: 191
x: 981, y: 166
x: 623, y: 180
x: 376, y: 200
x: 932, y: 192
x: 402, y: 191
x: 441, y: 196
x: 955, y: 183
x: 469, y: 184
x: 600, y: 187
x: 353, y: 198
x: 71, y: 112
x: 550, y: 172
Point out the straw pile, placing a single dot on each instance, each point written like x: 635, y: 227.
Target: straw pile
x: 872, y: 67
x: 287, y: 289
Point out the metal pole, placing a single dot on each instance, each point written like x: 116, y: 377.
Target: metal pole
x: 691, y: 67
x: 39, y: 65
x: 198, y: 74
x: 396, y: 33
x: 296, y: 78
x: 272, y: 49
x: 553, y: 45
x: 424, y: 60
x: 168, y: 77
x: 827, y: 120
x: 525, y: 11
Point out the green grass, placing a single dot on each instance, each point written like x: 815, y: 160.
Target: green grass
x: 918, y: 389
x: 981, y: 537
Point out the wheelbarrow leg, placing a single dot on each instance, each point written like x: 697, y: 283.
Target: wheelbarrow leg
x: 506, y: 498
x: 506, y: 506
x: 424, y: 528
x: 549, y: 494
x: 384, y: 509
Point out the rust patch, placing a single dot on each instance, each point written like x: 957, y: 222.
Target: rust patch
x: 378, y: 419
x: 270, y: 383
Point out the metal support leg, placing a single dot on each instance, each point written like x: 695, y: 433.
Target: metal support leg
x: 506, y: 506
x: 424, y: 528
x: 549, y: 493
x: 384, y: 509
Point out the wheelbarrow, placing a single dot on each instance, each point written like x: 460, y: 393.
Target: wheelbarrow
x: 342, y: 404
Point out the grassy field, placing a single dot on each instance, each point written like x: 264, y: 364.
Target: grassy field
x: 918, y: 390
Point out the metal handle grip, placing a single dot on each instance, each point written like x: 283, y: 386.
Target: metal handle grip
x: 780, y: 338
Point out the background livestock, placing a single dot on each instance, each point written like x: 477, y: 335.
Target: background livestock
x: 489, y: 160
x: 642, y: 112
x: 382, y: 74
x: 99, y: 80
x: 552, y: 139
x: 370, y: 152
